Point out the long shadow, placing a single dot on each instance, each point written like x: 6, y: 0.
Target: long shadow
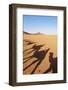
x: 26, y: 60
x: 53, y: 64
x: 40, y: 55
x: 30, y: 52
x: 34, y: 48
x: 29, y: 42
x: 30, y: 64
x: 27, y: 49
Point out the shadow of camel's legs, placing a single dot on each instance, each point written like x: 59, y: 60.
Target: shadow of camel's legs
x: 27, y: 49
x: 28, y: 57
x: 40, y: 60
x: 30, y: 52
x: 48, y: 69
x: 36, y: 67
x: 30, y: 64
x: 27, y: 60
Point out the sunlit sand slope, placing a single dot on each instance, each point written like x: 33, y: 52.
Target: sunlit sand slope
x: 37, y: 49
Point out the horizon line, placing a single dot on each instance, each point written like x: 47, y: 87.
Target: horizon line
x: 38, y: 33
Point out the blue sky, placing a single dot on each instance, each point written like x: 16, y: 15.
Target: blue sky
x: 42, y: 24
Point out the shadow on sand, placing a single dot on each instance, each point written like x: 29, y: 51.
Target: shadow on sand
x: 39, y: 55
x: 33, y: 48
x: 53, y: 64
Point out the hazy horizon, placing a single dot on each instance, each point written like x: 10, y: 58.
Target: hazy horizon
x: 40, y: 24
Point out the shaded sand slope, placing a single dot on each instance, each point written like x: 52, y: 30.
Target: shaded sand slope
x: 37, y: 48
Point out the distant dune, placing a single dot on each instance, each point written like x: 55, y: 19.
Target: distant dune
x: 38, y: 50
x: 38, y: 33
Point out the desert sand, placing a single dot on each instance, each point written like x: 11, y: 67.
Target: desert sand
x: 37, y: 49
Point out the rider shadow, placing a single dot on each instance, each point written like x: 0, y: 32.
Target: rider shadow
x: 34, y: 48
x: 53, y: 64
x: 39, y: 55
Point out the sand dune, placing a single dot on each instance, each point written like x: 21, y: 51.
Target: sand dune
x: 37, y: 50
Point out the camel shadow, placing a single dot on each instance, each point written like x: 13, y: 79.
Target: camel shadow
x: 39, y: 55
x: 33, y: 49
x: 53, y: 64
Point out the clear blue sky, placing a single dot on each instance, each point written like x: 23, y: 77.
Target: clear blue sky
x: 42, y: 24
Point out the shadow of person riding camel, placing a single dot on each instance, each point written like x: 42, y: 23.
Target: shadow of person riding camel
x: 34, y: 48
x: 53, y: 64
x: 39, y: 55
